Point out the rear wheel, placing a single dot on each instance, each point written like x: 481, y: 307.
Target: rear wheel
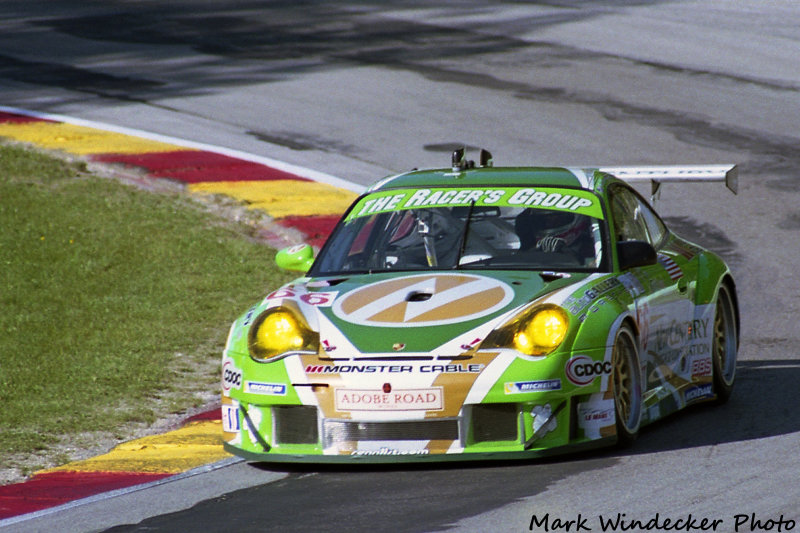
x: 725, y: 345
x: 627, y: 385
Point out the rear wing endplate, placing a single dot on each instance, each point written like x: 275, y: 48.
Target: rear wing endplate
x: 662, y: 174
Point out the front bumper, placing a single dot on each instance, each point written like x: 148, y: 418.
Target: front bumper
x: 535, y: 427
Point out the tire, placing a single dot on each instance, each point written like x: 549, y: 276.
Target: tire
x: 627, y: 385
x: 724, y: 345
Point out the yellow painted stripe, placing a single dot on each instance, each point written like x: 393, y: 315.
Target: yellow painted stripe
x: 283, y: 198
x: 193, y: 445
x: 81, y: 140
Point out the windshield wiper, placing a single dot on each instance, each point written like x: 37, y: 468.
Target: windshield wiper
x: 464, y: 236
x: 424, y: 230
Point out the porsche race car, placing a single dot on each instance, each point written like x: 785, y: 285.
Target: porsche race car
x: 478, y: 312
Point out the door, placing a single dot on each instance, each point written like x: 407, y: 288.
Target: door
x: 664, y: 308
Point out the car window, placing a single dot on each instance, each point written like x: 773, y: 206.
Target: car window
x: 656, y: 228
x: 501, y: 233
x: 634, y: 219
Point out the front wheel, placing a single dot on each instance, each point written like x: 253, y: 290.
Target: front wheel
x: 725, y: 346
x: 627, y: 385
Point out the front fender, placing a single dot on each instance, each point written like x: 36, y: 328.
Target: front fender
x: 601, y: 319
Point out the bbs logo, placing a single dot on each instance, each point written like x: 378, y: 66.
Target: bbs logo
x: 231, y: 376
x: 582, y: 369
x: 701, y: 367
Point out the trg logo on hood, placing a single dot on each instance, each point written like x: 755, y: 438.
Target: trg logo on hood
x: 423, y: 300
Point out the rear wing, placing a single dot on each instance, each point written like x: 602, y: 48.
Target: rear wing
x: 662, y: 174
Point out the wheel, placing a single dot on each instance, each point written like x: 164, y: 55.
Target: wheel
x: 627, y: 385
x: 725, y: 345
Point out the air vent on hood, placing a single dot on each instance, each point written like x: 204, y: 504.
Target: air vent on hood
x: 418, y: 296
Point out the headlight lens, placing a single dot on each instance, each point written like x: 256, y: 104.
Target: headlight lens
x: 535, y: 332
x: 541, y: 333
x: 278, y: 331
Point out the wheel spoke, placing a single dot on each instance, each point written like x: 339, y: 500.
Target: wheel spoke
x: 719, y: 339
x: 724, y: 345
x: 622, y: 379
x: 625, y: 380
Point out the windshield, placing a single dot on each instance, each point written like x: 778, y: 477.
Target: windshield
x: 504, y: 228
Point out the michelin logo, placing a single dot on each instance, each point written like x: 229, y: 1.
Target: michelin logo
x: 269, y: 389
x: 533, y: 386
x: 698, y: 393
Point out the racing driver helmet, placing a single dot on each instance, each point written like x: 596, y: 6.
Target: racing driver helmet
x: 548, y: 229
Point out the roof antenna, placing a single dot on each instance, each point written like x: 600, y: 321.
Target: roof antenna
x: 459, y: 159
x: 486, y: 158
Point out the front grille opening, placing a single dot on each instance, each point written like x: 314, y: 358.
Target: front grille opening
x: 493, y: 422
x: 346, y: 430
x: 295, y: 425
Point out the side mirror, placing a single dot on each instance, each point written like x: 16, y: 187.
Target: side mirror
x: 298, y: 258
x: 635, y: 254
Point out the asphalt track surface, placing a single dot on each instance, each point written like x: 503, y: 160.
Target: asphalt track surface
x: 359, y: 90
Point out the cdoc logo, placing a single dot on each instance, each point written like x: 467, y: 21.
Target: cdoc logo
x: 231, y: 376
x: 423, y: 300
x: 582, y: 369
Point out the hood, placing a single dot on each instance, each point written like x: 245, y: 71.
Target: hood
x: 419, y: 312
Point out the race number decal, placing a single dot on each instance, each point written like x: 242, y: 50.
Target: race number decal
x: 230, y: 418
x: 319, y: 299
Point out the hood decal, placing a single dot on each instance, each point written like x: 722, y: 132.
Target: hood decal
x: 423, y: 300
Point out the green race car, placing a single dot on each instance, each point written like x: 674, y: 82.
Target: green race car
x: 478, y: 312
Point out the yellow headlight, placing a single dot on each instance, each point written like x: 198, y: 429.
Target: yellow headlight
x: 542, y: 333
x: 278, y: 331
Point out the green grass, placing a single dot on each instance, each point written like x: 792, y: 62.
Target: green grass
x: 114, y: 302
